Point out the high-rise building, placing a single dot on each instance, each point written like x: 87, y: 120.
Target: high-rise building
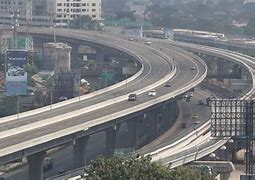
x: 44, y: 12
x: 62, y: 11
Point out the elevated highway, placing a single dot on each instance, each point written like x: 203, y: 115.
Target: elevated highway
x: 55, y: 125
x: 48, y: 127
x: 199, y: 143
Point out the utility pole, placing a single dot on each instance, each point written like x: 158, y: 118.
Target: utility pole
x: 29, y: 39
x: 15, y: 15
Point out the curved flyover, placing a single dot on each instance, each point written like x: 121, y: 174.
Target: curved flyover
x: 37, y: 129
x: 197, y: 144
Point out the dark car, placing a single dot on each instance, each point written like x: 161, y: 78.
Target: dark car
x: 183, y: 125
x: 201, y: 102
x: 132, y: 97
x: 61, y: 171
x: 168, y: 84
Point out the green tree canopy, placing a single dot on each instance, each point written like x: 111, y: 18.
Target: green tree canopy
x: 8, y: 105
x: 84, y: 22
x: 139, y: 168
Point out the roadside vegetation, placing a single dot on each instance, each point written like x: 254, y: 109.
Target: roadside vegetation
x: 140, y: 168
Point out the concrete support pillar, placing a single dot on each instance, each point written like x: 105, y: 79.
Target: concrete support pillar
x: 35, y: 166
x: 111, y: 138
x: 152, y: 125
x: 38, y: 43
x: 79, y: 152
x: 132, y: 126
x: 100, y: 57
x: 224, y: 176
x: 75, y: 64
x: 245, y: 74
x: 214, y: 66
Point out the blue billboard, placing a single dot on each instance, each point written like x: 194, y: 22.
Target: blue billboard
x: 17, y: 58
x: 16, y: 76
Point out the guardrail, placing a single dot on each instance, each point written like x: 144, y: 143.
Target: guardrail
x: 191, y: 155
x: 98, y: 121
x: 79, y: 112
x: 69, y: 174
x: 77, y: 99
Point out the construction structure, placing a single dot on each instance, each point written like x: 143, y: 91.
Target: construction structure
x: 59, y: 54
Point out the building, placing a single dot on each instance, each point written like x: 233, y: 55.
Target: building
x: 138, y: 6
x: 63, y: 11
x: 47, y: 12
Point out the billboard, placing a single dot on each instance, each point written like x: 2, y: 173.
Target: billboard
x: 229, y: 117
x: 16, y: 76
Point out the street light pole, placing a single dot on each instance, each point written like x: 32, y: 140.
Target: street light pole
x: 126, y: 75
x: 51, y: 96
x: 106, y: 77
x: 17, y: 109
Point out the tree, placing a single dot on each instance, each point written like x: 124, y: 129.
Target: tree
x: 8, y: 105
x: 31, y: 70
x: 138, y: 168
x: 126, y: 15
x: 84, y: 22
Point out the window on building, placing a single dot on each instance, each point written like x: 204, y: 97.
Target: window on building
x: 93, y: 4
x: 77, y: 10
x: 93, y: 10
x: 83, y: 4
x: 59, y: 4
x: 76, y: 4
x: 94, y: 16
x: 59, y: 10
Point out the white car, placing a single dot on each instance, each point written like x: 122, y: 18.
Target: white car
x: 192, y: 68
x: 152, y: 93
x: 185, y: 95
x: 148, y: 43
x: 197, y: 122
